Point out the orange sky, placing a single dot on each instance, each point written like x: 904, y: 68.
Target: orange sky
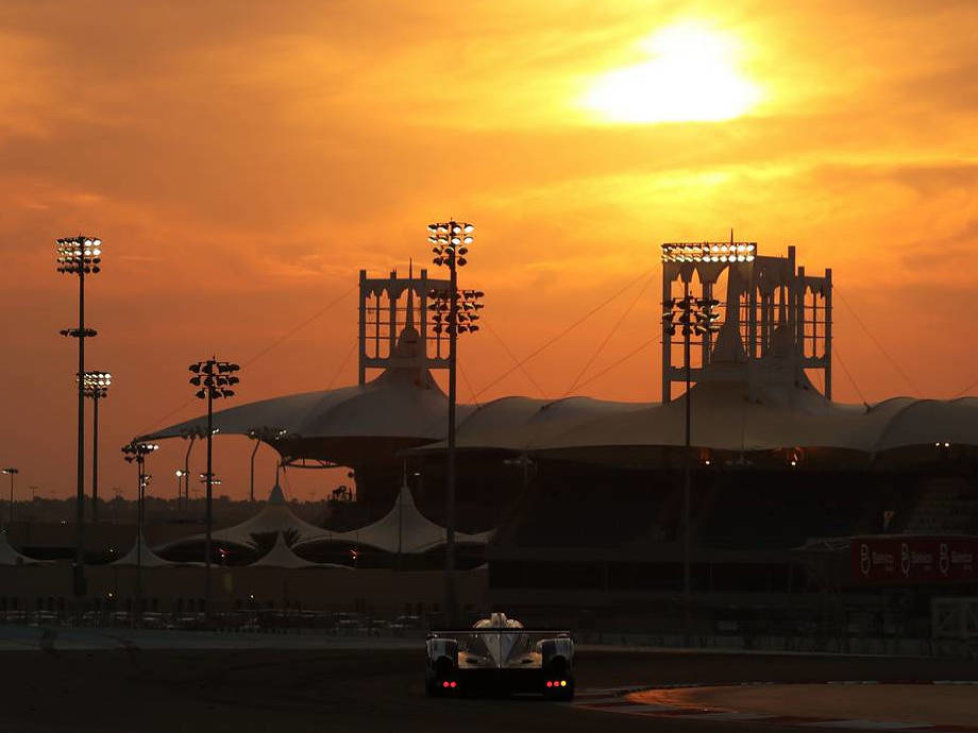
x: 242, y: 161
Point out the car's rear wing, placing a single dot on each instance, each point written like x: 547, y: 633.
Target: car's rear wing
x: 448, y: 633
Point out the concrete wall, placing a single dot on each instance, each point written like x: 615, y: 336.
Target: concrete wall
x: 382, y: 591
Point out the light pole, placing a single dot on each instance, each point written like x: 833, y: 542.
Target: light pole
x: 11, y: 472
x: 268, y: 434
x: 137, y: 452
x: 214, y: 380
x: 695, y: 316
x: 251, y: 483
x: 455, y: 312
x: 191, y: 436
x: 95, y: 385
x: 179, y: 473
x: 80, y: 256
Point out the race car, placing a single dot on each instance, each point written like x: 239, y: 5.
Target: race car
x: 498, y: 655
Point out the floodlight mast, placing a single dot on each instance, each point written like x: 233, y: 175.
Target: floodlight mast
x: 696, y: 316
x: 96, y: 387
x: 80, y: 256
x: 11, y: 472
x: 190, y: 436
x: 137, y: 452
x: 455, y: 313
x: 214, y: 380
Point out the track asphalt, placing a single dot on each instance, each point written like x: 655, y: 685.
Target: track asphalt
x: 52, y: 684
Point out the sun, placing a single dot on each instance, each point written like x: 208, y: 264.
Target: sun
x: 692, y: 75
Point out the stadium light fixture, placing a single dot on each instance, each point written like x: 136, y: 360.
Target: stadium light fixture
x: 725, y: 252
x: 81, y: 256
x: 95, y: 385
x: 456, y: 311
x: 214, y: 380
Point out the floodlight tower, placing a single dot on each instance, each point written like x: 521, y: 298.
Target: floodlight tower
x: 80, y: 256
x: 11, y: 472
x: 95, y: 385
x: 696, y: 317
x: 456, y: 312
x: 137, y: 452
x: 214, y: 380
x: 775, y: 324
x: 771, y: 308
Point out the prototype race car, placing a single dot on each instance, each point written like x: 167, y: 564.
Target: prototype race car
x: 498, y: 655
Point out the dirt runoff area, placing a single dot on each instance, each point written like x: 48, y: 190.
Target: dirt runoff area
x: 922, y: 704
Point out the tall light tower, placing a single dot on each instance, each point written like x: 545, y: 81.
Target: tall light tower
x: 137, y: 452
x: 80, y: 256
x: 455, y: 314
x: 253, y: 434
x: 95, y: 385
x: 214, y: 380
x: 696, y: 317
x: 11, y: 472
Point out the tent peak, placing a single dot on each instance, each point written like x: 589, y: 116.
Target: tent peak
x: 276, y: 497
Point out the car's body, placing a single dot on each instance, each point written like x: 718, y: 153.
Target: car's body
x: 499, y: 655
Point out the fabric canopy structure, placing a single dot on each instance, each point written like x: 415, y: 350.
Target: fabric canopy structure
x: 401, y: 408
x: 10, y: 556
x: 525, y: 424
x: 737, y: 407
x: 280, y: 556
x: 141, y: 555
x: 403, y: 530
x: 275, y: 518
x: 723, y: 418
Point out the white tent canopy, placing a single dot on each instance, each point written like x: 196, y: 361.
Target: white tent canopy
x: 280, y: 556
x: 142, y: 555
x: 403, y: 530
x: 274, y: 518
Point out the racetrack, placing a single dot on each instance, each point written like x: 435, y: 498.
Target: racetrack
x: 294, y: 691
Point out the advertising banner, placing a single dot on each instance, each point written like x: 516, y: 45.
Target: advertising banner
x: 909, y: 560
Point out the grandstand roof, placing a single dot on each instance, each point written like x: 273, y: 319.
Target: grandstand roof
x: 739, y: 405
x: 403, y: 406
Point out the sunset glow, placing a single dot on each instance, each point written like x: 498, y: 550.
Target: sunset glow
x: 691, y: 75
x: 242, y: 167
